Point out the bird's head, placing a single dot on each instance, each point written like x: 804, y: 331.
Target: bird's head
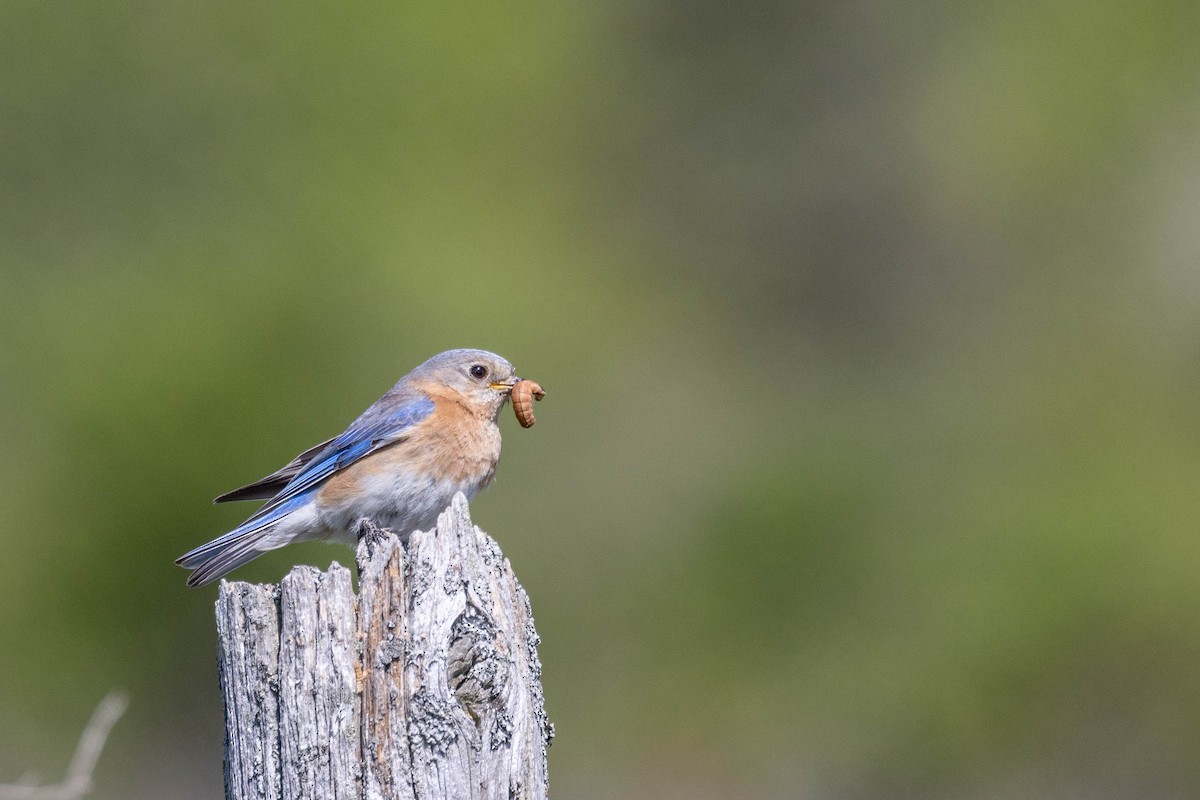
x: 483, y: 379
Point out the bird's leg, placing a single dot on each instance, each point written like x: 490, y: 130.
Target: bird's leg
x: 370, y: 536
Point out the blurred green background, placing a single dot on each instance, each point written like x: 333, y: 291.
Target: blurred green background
x: 871, y: 462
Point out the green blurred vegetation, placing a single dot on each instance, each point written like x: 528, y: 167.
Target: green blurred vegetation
x: 870, y: 459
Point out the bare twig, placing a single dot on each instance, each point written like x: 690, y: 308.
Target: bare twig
x: 79, y: 774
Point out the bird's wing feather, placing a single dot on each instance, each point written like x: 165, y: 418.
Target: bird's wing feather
x: 368, y: 433
x: 375, y: 429
x: 267, y: 487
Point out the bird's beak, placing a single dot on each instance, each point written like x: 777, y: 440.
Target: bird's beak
x: 505, y: 386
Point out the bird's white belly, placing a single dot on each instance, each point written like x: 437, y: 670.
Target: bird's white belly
x: 397, y: 500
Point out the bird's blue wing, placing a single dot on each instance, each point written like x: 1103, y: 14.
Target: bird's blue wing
x: 267, y: 487
x: 387, y: 422
x: 365, y: 436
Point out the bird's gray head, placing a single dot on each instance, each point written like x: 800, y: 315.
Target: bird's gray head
x: 484, y: 379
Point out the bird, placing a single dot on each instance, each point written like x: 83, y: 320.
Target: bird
x: 399, y: 464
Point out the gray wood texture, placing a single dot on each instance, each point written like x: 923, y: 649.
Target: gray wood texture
x: 425, y: 686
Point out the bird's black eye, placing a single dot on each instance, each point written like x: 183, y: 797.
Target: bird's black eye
x: 478, y: 371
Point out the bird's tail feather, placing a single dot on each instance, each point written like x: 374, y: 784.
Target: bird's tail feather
x: 215, y: 564
x: 244, y: 543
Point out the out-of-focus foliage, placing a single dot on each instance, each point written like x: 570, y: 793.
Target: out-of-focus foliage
x: 871, y: 457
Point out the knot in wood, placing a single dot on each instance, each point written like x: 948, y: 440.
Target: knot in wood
x: 477, y: 662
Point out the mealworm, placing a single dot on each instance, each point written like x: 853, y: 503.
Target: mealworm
x: 523, y: 395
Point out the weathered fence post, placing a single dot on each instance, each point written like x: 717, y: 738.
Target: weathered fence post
x: 425, y: 686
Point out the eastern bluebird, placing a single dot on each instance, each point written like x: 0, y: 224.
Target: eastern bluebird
x: 399, y: 464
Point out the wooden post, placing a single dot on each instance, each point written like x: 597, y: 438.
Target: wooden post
x: 426, y: 686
